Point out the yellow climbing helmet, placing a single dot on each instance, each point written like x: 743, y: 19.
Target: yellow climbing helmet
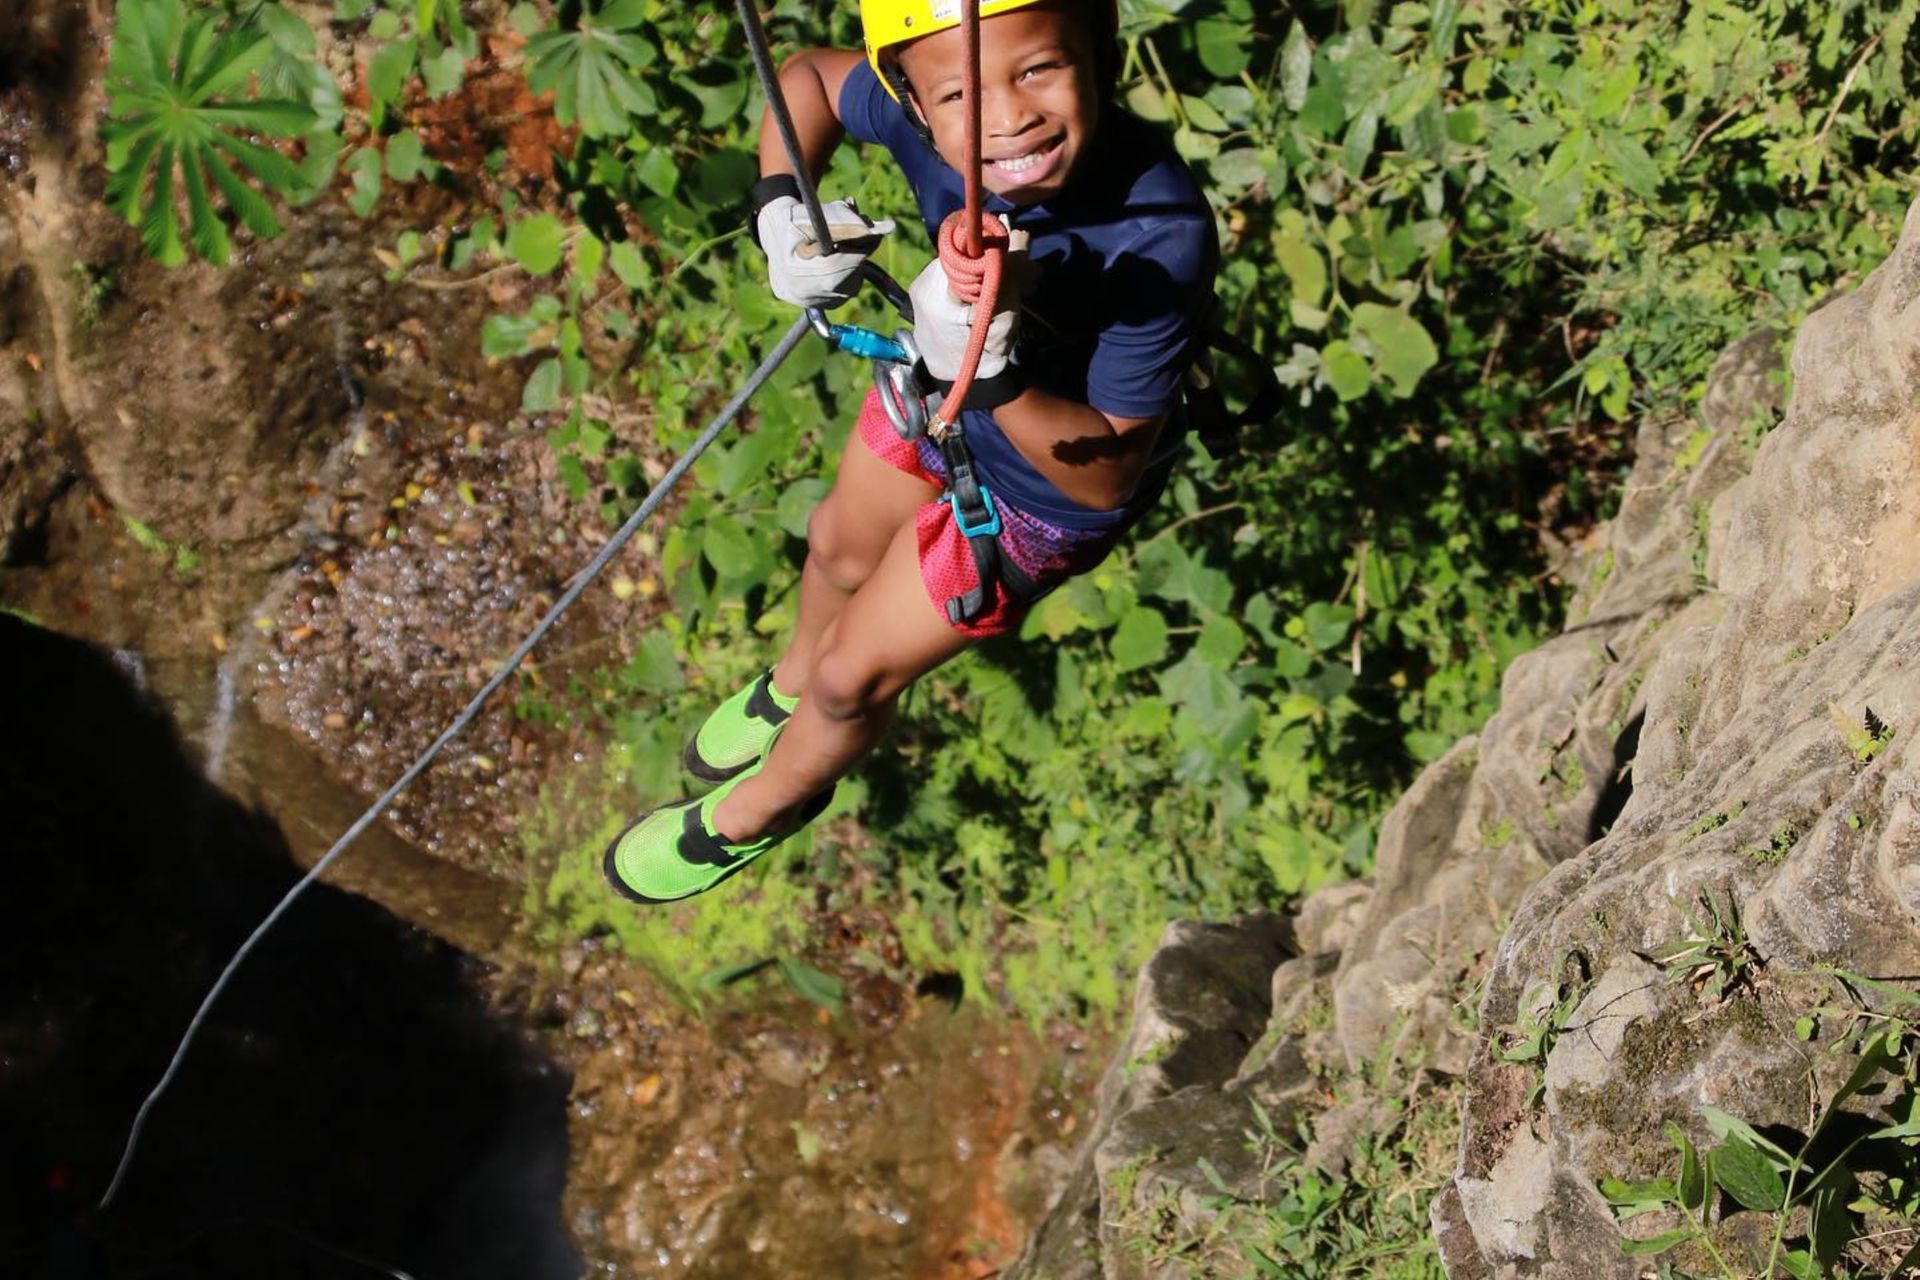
x: 889, y: 23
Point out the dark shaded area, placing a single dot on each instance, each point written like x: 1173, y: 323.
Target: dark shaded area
x: 1619, y: 788
x: 350, y: 1099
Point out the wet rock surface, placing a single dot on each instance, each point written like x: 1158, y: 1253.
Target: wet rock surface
x: 352, y: 1097
x: 1723, y: 727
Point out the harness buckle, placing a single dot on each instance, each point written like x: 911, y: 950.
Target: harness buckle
x: 987, y: 528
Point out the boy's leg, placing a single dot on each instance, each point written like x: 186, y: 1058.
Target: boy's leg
x: 886, y: 637
x: 847, y: 536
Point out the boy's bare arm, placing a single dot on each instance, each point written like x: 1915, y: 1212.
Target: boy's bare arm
x: 811, y: 81
x: 1092, y: 458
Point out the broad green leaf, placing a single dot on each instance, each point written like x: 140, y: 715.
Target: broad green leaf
x: 1222, y: 46
x: 1302, y: 262
x: 595, y: 71
x: 1243, y: 167
x: 1358, y: 144
x: 535, y: 243
x: 658, y: 171
x: 1346, y: 369
x: 1637, y: 170
x: 722, y: 97
x: 1657, y: 1244
x: 503, y: 336
x: 1799, y: 1264
x: 1727, y: 1126
x: 406, y: 158
x: 387, y: 72
x: 589, y: 255
x: 443, y: 71
x: 542, y: 391
x: 170, y: 112
x: 1204, y: 694
x: 811, y: 984
x: 287, y: 29
x: 628, y: 265
x: 1327, y: 626
x: 1140, y: 640
x: 797, y: 502
x: 1401, y: 346
x: 1221, y: 641
x: 364, y: 167
x: 573, y: 476
x: 1693, y: 1184
x: 729, y: 549
x: 1296, y: 66
x: 655, y: 665
x: 1204, y: 115
x: 1747, y: 1176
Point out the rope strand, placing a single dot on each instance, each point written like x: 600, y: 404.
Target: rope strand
x: 600, y: 561
x: 972, y: 242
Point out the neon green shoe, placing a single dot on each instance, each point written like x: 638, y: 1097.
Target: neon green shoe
x: 674, y: 851
x: 739, y: 731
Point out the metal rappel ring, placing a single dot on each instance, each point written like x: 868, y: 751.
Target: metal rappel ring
x: 899, y: 392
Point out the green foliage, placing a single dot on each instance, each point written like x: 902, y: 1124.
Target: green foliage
x: 1715, y: 956
x: 1832, y: 1195
x: 597, y: 70
x: 1867, y: 737
x: 1545, y: 1013
x: 1473, y: 239
x: 177, y: 94
x: 423, y: 39
x: 1370, y: 1223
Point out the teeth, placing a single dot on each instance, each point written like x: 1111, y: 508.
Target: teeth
x: 1020, y: 164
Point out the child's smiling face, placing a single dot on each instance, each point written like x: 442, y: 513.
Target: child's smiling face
x: 1038, y: 101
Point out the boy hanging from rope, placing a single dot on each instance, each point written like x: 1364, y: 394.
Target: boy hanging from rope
x: 1083, y: 362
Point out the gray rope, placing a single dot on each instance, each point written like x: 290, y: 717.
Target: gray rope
x: 783, y: 120
x: 599, y: 562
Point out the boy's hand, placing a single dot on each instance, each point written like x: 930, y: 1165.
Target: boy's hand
x: 942, y: 323
x: 797, y: 270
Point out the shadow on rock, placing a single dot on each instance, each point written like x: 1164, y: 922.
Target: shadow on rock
x: 350, y: 1098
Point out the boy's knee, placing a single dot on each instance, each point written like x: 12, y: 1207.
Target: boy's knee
x: 845, y: 686
x: 841, y: 559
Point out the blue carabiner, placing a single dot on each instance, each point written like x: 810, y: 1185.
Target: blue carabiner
x: 867, y: 344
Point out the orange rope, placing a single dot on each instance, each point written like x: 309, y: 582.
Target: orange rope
x: 972, y: 242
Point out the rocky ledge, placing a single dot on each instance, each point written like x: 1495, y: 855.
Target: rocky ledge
x: 1691, y: 827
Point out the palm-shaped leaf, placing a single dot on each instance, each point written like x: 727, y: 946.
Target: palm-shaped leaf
x: 595, y: 71
x: 177, y: 101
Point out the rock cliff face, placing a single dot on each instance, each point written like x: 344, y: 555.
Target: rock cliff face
x: 1718, y: 746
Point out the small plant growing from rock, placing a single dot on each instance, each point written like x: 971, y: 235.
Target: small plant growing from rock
x: 1715, y: 955
x: 1867, y: 739
x: 1832, y: 1209
x: 1546, y: 1009
x: 1785, y: 835
x: 1715, y: 820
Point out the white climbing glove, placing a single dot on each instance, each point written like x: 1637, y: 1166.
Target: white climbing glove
x: 797, y: 270
x: 942, y: 323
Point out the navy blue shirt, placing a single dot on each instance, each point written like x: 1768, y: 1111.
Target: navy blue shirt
x: 1126, y: 257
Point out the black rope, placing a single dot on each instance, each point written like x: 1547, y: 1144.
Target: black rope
x: 599, y: 562
x: 783, y: 120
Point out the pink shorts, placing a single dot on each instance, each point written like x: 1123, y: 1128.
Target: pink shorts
x: 1047, y: 553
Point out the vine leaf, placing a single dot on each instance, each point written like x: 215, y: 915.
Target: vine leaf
x: 179, y: 116
x: 594, y: 71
